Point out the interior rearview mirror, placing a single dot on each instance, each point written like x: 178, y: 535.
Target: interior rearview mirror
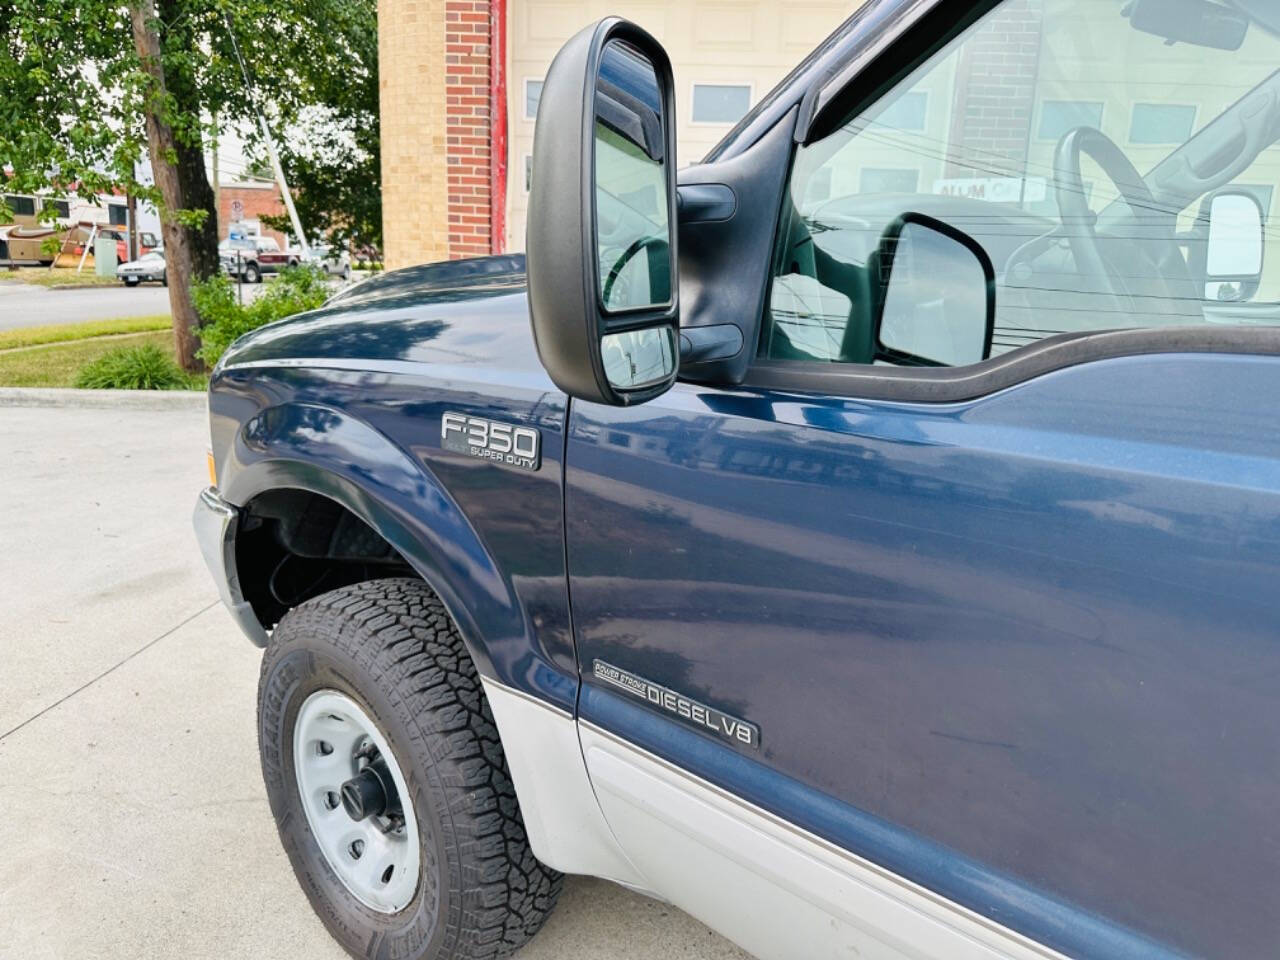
x: 601, y: 245
x: 936, y: 303
x: 1197, y: 22
x: 1234, y: 253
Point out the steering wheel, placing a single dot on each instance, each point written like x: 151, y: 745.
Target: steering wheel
x: 1147, y: 264
x: 643, y: 243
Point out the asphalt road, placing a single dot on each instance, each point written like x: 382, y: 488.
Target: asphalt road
x: 23, y: 305
x: 133, y: 820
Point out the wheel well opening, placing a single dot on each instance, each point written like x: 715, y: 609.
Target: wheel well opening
x: 293, y: 545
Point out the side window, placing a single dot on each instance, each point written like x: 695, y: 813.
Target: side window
x: 1092, y: 174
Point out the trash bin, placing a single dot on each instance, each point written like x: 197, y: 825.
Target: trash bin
x: 104, y: 257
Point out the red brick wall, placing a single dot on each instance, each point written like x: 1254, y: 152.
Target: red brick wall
x: 257, y: 203
x: 995, y: 90
x: 467, y: 125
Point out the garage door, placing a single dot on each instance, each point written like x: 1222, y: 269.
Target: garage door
x: 726, y: 55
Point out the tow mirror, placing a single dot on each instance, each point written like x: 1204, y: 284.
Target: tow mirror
x: 936, y: 303
x: 1234, y: 252
x: 601, y: 243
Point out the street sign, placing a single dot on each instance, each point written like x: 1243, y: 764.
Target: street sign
x: 237, y: 209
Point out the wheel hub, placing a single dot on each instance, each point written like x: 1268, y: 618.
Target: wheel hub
x: 370, y: 793
x: 354, y: 795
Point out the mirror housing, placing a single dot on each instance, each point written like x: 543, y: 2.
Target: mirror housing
x: 601, y: 237
x: 1235, y: 246
x: 936, y: 295
x: 1197, y: 22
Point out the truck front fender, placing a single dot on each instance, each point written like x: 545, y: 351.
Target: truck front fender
x: 326, y: 451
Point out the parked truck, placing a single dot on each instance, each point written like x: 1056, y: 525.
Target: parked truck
x: 865, y: 539
x: 251, y: 258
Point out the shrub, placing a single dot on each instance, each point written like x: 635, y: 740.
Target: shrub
x: 133, y: 368
x: 223, y: 320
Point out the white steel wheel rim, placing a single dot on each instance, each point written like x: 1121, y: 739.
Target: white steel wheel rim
x: 330, y: 735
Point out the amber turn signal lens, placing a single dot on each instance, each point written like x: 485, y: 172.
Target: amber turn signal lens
x: 213, y: 470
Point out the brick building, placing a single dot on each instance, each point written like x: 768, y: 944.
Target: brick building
x: 461, y: 81
x: 460, y: 85
x: 248, y: 201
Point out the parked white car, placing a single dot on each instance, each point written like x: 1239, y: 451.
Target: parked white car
x: 334, y: 262
x: 148, y: 267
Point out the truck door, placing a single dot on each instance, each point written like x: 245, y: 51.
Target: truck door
x: 1007, y: 637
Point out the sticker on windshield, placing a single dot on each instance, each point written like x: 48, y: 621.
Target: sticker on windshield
x: 490, y: 440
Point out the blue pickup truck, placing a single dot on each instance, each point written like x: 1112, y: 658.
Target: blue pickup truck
x: 866, y: 539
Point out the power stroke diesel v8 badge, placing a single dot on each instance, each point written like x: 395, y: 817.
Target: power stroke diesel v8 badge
x: 490, y: 440
x: 708, y: 718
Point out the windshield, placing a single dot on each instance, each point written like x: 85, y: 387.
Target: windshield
x: 1082, y: 151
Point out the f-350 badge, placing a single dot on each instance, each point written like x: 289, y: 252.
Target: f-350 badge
x: 490, y: 440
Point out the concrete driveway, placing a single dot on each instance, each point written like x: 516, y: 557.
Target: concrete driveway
x: 134, y: 820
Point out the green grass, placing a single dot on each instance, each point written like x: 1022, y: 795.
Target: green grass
x: 35, y: 336
x: 140, y: 367
x: 58, y: 364
x: 62, y: 277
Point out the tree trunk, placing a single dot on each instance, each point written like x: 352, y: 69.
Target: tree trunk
x: 197, y: 192
x: 179, y: 248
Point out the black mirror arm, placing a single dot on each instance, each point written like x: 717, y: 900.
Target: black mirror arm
x: 702, y: 344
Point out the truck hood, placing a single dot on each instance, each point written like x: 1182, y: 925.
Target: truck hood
x: 470, y: 312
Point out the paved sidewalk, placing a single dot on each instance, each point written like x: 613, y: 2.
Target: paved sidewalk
x: 134, y: 820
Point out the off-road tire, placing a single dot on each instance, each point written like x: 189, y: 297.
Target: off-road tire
x: 391, y: 646
x: 252, y: 274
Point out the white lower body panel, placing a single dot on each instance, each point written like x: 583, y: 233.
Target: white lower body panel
x: 565, y: 826
x: 778, y: 891
x: 595, y: 804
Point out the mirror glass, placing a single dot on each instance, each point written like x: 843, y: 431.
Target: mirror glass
x: 633, y: 235
x: 1235, y: 236
x: 638, y: 358
x: 935, y: 307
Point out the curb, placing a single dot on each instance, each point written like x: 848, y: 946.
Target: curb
x: 103, y: 399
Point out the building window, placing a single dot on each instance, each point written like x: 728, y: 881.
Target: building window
x: 905, y: 113
x: 720, y: 102
x: 117, y: 215
x: 21, y: 206
x: 887, y: 180
x: 62, y: 208
x: 532, y: 94
x: 1162, y: 123
x: 1059, y: 116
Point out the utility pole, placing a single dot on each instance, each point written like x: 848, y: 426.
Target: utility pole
x: 132, y: 203
x: 274, y: 157
x: 217, y: 180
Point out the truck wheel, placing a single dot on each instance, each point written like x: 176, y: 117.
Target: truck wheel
x: 252, y: 274
x: 388, y: 782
